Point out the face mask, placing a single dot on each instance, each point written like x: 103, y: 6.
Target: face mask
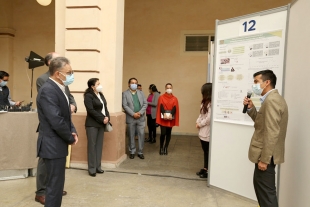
x: 69, y: 79
x: 133, y: 87
x: 3, y: 83
x: 257, y: 89
x: 169, y: 90
x: 99, y: 88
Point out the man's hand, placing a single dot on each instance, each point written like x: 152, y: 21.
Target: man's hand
x: 136, y: 115
x: 262, y: 166
x: 76, y: 138
x: 105, y: 120
x: 197, y: 126
x: 247, y: 101
x: 72, y: 107
x: 18, y: 103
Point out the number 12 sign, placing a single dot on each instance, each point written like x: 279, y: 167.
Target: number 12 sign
x: 249, y: 26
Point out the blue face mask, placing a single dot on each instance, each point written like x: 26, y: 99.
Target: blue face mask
x: 257, y: 89
x: 3, y: 83
x: 69, y: 79
x: 133, y: 87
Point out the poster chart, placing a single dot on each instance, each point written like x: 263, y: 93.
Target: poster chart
x: 238, y: 59
x: 243, y: 46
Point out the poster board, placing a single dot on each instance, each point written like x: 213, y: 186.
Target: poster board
x: 243, y: 46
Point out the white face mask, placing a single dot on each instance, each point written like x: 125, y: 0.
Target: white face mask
x: 169, y: 90
x: 257, y: 89
x: 99, y: 88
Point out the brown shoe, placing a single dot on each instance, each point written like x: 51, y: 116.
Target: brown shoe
x: 40, y: 199
x: 64, y: 193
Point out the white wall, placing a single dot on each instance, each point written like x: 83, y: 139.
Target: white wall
x: 295, y: 172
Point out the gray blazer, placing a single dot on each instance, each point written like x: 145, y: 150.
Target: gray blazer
x: 127, y: 103
x: 43, y: 78
x: 153, y: 104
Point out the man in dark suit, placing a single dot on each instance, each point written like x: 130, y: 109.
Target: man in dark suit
x: 41, y: 168
x: 56, y: 129
x: 268, y: 141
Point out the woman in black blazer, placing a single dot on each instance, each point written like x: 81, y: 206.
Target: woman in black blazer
x: 96, y: 119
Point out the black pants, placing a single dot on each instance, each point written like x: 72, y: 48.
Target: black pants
x: 205, y: 148
x: 165, y: 133
x: 55, y: 181
x: 151, y: 125
x: 265, y: 187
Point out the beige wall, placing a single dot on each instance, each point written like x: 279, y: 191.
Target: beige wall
x: 34, y: 30
x: 152, y: 45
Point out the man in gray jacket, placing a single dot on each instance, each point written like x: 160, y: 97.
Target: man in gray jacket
x: 41, y: 169
x: 134, y: 104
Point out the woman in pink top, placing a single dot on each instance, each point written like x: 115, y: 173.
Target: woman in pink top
x: 203, y: 124
x: 151, y: 109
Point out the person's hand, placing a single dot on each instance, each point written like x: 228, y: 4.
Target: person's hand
x: 262, y: 166
x: 136, y: 115
x: 105, y: 120
x: 72, y: 107
x: 165, y: 116
x: 247, y: 101
x: 170, y: 117
x: 76, y: 138
x: 18, y: 103
x: 197, y: 126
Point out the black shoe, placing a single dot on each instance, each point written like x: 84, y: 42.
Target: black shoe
x: 92, y: 174
x: 161, y: 151
x: 153, y: 141
x: 147, y: 140
x: 141, y: 156
x: 132, y: 156
x: 204, y: 175
x: 200, y: 172
x: 100, y: 171
x: 165, y: 151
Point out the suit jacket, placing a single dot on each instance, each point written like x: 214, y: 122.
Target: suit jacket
x: 44, y: 77
x: 153, y: 104
x: 56, y: 127
x: 94, y: 107
x: 127, y: 103
x: 270, y: 124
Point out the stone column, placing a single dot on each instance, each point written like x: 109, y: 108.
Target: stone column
x: 90, y: 34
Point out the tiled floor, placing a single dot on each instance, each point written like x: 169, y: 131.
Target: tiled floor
x: 155, y: 181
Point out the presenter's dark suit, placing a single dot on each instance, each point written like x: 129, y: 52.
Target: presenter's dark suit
x: 55, y: 134
x: 41, y: 168
x: 267, y: 145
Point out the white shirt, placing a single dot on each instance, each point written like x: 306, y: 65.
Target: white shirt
x: 103, y: 110
x: 62, y: 88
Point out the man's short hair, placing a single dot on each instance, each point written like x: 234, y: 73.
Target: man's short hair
x: 57, y: 64
x: 3, y: 74
x: 267, y: 75
x: 132, y: 79
x: 47, y: 58
x: 139, y: 85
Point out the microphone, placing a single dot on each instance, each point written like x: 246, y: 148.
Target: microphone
x: 245, y: 108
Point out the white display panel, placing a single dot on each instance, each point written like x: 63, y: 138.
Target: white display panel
x: 243, y: 46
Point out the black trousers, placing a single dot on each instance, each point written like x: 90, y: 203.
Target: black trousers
x: 205, y: 148
x: 151, y: 125
x: 55, y: 181
x: 165, y: 136
x: 265, y: 186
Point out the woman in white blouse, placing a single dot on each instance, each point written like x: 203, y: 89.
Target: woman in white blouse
x: 203, y: 124
x: 97, y: 117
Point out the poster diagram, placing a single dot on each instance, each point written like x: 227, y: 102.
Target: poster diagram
x: 237, y: 60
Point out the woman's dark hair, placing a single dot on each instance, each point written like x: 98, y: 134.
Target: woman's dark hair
x: 206, y: 91
x: 153, y: 88
x: 91, y: 82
